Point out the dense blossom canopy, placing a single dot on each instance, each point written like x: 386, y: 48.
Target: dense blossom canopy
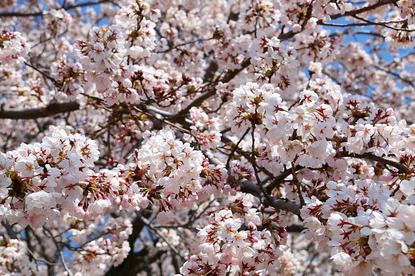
x: 207, y: 137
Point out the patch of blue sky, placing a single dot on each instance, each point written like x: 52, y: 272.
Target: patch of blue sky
x: 363, y: 36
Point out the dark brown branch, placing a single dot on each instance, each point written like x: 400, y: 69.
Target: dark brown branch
x: 364, y: 9
x: 347, y: 25
x: 295, y: 228
x: 372, y: 157
x: 367, y: 156
x: 34, y: 113
x: 212, y: 89
x: 210, y: 71
x: 284, y: 205
x: 290, y: 34
x: 278, y: 204
x: 279, y: 179
x: 383, y: 24
x: 41, y: 13
x: 396, y: 75
x: 235, y: 148
x: 245, y: 154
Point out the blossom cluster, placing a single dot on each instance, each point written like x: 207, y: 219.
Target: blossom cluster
x: 41, y: 181
x: 101, y: 252
x: 233, y: 242
x: 205, y: 130
x: 175, y: 173
x: 212, y: 137
x: 106, y: 59
x: 365, y: 225
x: 14, y: 48
x: 358, y: 211
x: 14, y: 258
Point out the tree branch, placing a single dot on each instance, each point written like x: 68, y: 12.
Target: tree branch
x: 364, y: 9
x: 212, y: 90
x: 284, y: 205
x: 34, y: 113
x: 41, y: 13
x: 281, y: 178
x: 277, y: 203
x: 372, y: 157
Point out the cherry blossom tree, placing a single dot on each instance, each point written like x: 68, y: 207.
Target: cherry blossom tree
x: 196, y: 137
